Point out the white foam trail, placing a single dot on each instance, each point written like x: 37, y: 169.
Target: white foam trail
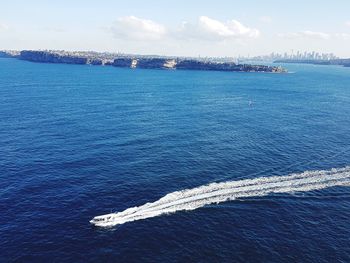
x: 190, y: 199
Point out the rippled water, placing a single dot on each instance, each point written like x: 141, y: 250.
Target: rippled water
x: 80, y: 141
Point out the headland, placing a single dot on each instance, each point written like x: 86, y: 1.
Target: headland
x: 137, y: 61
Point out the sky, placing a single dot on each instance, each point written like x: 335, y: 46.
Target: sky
x: 178, y: 27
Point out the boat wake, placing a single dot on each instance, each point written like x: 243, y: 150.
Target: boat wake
x: 190, y: 199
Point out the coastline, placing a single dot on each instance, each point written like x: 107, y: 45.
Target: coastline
x: 137, y: 61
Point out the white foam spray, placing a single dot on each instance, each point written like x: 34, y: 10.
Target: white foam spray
x: 190, y: 199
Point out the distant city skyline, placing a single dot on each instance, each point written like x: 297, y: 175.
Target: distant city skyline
x: 298, y: 55
x: 182, y: 28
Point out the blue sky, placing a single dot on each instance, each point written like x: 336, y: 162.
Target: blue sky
x: 197, y: 27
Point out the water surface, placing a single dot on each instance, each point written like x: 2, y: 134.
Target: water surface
x: 80, y: 141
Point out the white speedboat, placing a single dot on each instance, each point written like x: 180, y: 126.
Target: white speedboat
x: 104, y: 220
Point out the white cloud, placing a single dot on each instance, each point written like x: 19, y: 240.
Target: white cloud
x: 131, y: 27
x: 306, y: 34
x: 344, y: 36
x: 266, y: 19
x: 210, y: 29
x: 55, y: 29
x: 3, y: 27
x: 347, y: 23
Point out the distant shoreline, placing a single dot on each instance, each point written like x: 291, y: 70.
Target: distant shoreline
x: 137, y: 61
x: 331, y: 62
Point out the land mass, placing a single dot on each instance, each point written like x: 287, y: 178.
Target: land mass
x: 136, y: 61
x: 339, y: 61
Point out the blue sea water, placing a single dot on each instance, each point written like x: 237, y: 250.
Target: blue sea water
x: 80, y: 141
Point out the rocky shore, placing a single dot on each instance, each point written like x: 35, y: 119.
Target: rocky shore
x: 143, y: 62
x: 48, y: 57
x: 9, y: 54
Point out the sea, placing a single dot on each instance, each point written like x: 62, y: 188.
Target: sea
x: 78, y: 141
